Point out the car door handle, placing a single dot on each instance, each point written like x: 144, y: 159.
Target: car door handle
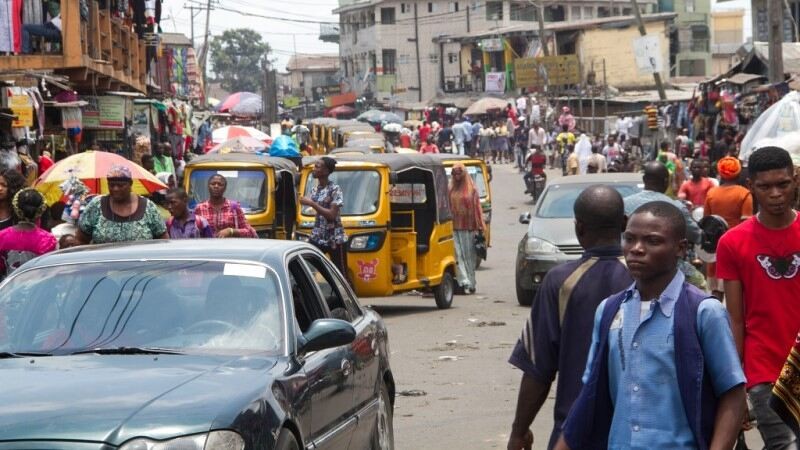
x: 347, y: 367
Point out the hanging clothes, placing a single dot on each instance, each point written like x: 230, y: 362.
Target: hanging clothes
x: 32, y: 12
x: 16, y: 25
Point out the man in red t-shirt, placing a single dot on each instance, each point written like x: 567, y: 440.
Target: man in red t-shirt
x: 759, y: 261
x: 695, y: 190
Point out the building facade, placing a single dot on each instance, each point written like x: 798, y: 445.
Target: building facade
x: 727, y: 35
x: 395, y: 51
x: 313, y: 77
x: 689, y: 37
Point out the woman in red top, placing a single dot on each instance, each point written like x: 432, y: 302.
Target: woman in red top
x: 467, y: 223
x: 429, y: 146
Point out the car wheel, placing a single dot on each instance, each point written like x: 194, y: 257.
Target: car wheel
x: 443, y: 293
x: 286, y: 441
x: 383, y: 435
x: 524, y: 296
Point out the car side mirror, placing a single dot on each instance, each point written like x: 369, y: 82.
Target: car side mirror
x: 326, y: 333
x: 525, y: 218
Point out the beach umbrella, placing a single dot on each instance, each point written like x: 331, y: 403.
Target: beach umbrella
x: 234, y: 99
x: 486, y: 104
x: 223, y: 134
x: 243, y: 144
x: 375, y: 116
x: 249, y: 107
x: 91, y: 168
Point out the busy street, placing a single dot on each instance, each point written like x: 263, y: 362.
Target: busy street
x: 379, y: 225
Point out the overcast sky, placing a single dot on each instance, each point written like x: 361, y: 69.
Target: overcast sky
x: 284, y: 37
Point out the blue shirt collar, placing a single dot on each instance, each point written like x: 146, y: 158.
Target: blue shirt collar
x: 666, y: 301
x: 603, y: 250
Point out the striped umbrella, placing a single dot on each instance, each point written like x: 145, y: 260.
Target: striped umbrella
x: 91, y: 168
x: 234, y: 99
x: 223, y: 134
x: 239, y: 145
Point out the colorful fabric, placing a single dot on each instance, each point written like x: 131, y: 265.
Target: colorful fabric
x: 229, y: 215
x: 100, y: 223
x: 325, y: 232
x: 767, y: 263
x: 786, y: 391
x: 20, y: 246
x: 465, y: 204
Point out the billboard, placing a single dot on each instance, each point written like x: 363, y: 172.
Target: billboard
x: 547, y: 71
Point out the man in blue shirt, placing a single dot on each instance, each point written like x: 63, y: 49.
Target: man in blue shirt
x: 663, y: 371
x: 566, y: 300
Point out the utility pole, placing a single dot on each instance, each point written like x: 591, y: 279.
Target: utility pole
x: 540, y: 15
x: 416, y: 46
x: 191, y: 24
x: 643, y: 31
x: 205, y: 44
x: 775, y: 14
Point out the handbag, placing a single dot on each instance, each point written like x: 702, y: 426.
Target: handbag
x: 480, y: 245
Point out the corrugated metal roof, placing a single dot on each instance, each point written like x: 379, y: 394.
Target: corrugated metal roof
x: 174, y: 39
x: 321, y: 62
x: 791, y: 55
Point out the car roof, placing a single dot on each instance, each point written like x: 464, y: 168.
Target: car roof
x: 397, y: 162
x: 278, y: 163
x: 598, y: 178
x: 268, y: 251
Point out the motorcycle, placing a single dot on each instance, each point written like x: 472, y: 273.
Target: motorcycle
x: 534, y: 182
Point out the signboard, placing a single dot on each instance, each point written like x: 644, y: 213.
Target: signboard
x: 151, y: 39
x: 104, y: 112
x: 21, y: 105
x: 140, y: 122
x: 408, y: 193
x: 492, y: 45
x: 495, y: 82
x: 291, y: 101
x: 547, y: 71
x: 341, y: 99
x: 647, y: 52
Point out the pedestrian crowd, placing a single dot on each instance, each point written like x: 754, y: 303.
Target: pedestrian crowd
x: 644, y: 357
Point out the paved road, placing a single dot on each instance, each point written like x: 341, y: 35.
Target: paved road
x: 458, y: 357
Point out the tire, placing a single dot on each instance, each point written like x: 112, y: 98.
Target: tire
x: 286, y: 441
x: 524, y: 296
x: 383, y: 434
x: 443, y: 293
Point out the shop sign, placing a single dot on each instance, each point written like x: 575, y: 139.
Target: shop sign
x: 104, y: 112
x: 495, y: 82
x: 291, y: 102
x: 151, y: 39
x: 492, y: 45
x: 21, y: 105
x: 341, y: 99
x: 140, y: 122
x: 547, y: 71
x: 647, y: 52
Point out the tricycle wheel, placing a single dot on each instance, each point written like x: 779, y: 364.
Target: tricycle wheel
x: 443, y: 293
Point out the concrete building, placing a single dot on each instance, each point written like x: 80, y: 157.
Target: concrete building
x: 393, y: 51
x: 727, y: 35
x: 690, y: 36
x: 312, y: 77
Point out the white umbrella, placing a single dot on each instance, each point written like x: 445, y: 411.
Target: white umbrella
x: 777, y: 121
x: 485, y: 105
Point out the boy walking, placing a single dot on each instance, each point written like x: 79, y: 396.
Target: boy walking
x: 662, y: 372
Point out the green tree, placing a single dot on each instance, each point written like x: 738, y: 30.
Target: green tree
x: 237, y: 59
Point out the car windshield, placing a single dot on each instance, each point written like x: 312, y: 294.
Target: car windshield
x: 361, y: 191
x: 559, y: 199
x: 248, y: 187
x: 477, y: 178
x: 185, y: 306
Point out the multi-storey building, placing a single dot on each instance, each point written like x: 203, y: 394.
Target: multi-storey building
x: 690, y: 36
x: 393, y: 49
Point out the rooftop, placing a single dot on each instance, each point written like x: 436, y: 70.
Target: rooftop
x: 175, y: 39
x: 313, y: 62
x: 527, y: 29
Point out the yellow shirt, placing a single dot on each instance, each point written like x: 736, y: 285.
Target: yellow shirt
x: 564, y: 139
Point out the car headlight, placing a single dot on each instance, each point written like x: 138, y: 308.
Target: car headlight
x: 536, y: 245
x: 365, y: 242
x: 214, y: 440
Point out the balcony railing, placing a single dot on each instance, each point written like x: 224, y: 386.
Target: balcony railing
x: 99, y: 52
x: 463, y: 83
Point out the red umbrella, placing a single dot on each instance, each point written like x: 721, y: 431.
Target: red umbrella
x: 235, y: 99
x: 342, y: 110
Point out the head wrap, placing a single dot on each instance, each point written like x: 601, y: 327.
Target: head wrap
x: 729, y: 168
x: 119, y: 172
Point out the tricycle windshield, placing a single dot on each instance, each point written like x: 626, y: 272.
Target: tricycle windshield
x: 361, y: 190
x: 185, y: 306
x: 477, y: 179
x: 248, y: 187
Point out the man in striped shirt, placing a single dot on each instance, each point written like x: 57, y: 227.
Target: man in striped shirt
x: 567, y: 299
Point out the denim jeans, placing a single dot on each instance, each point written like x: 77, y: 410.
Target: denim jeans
x: 775, y: 433
x: 47, y: 31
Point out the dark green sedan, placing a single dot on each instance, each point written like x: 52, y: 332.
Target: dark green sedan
x: 190, y: 345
